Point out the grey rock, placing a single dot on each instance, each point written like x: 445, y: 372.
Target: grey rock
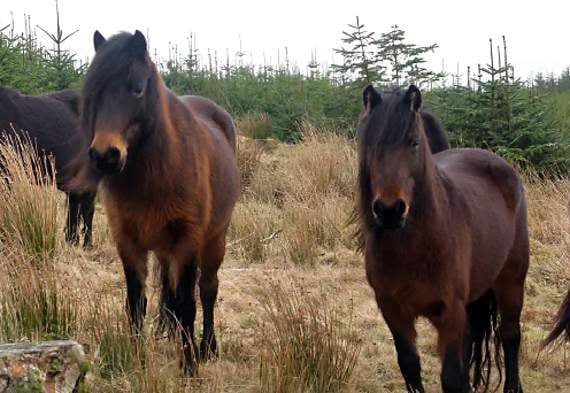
x: 46, y: 367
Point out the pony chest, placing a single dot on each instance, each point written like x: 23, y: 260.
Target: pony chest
x: 402, y: 268
x: 154, y: 227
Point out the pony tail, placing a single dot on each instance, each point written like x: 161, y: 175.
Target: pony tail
x: 483, y: 327
x: 561, y: 324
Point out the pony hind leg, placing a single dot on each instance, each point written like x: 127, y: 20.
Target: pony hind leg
x: 482, y: 321
x: 509, y: 291
x: 402, y: 328
x: 211, y: 260
x: 510, y: 294
x: 167, y: 322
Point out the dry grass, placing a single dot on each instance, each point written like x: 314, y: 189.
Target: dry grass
x: 254, y: 226
x: 307, y: 345
x: 300, y: 318
x: 249, y: 153
x: 28, y: 199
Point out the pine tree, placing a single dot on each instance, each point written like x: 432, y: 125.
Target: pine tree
x: 61, y: 62
x: 503, y: 115
x: 314, y: 66
x: 406, y: 61
x: 564, y: 80
x: 360, y: 61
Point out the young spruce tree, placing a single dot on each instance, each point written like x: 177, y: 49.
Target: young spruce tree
x: 406, y: 61
x: 360, y: 60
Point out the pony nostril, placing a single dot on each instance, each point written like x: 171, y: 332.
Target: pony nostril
x: 94, y: 154
x: 108, y: 161
x: 112, y: 155
x: 377, y: 207
x: 400, y: 207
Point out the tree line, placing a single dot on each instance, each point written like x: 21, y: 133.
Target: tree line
x: 528, y: 123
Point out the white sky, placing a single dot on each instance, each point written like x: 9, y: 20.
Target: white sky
x: 537, y: 32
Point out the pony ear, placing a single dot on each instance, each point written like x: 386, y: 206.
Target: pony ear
x: 138, y: 45
x: 414, y: 97
x: 98, y: 40
x: 370, y: 98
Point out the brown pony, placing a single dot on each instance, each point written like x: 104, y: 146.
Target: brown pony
x: 169, y: 177
x: 51, y: 121
x: 445, y: 237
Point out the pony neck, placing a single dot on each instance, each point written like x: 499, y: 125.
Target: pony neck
x: 158, y: 153
x: 428, y: 190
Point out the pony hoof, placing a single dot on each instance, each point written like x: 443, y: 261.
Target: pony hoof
x: 208, y: 351
x: 189, y: 369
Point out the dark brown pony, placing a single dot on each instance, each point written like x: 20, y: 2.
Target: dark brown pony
x: 51, y: 122
x: 169, y: 177
x: 445, y: 237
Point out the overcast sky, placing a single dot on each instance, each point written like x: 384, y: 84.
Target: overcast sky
x: 538, y: 32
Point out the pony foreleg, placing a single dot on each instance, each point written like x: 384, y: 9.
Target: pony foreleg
x: 404, y: 333
x: 451, y: 326
x: 211, y: 260
x: 135, y: 268
x: 87, y: 210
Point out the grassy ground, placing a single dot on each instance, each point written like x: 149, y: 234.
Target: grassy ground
x: 294, y: 313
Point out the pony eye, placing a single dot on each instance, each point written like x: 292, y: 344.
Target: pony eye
x: 415, y: 143
x: 137, y: 91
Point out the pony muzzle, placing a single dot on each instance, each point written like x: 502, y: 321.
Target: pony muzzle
x: 108, y: 154
x: 390, y: 215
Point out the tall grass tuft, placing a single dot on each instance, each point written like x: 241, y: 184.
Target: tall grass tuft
x: 116, y: 352
x: 254, y: 225
x: 28, y: 199
x: 248, y: 156
x: 307, y: 345
x: 323, y: 164
x: 32, y: 305
x: 548, y: 201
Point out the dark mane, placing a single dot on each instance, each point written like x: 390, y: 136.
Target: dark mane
x: 113, y: 58
x: 437, y: 137
x: 112, y: 62
x: 390, y: 123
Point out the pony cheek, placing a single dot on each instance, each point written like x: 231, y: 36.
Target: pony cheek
x: 132, y: 133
